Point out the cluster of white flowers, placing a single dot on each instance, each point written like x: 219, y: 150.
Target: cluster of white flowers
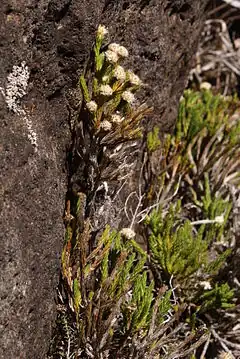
x: 114, y: 47
x: 118, y: 49
x: 105, y: 78
x: 106, y: 90
x: 119, y: 73
x: 102, y: 31
x: 128, y: 96
x: 128, y: 233
x: 116, y: 118
x: 111, y: 56
x: 206, y: 285
x: 106, y: 125
x: 114, y: 53
x: 133, y: 79
x: 92, y: 106
x: 122, y: 51
x: 205, y: 86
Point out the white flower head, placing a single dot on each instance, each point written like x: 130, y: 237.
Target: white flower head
x: 219, y: 219
x: 102, y: 31
x: 105, y: 78
x: 111, y: 56
x: 106, y: 125
x: 128, y: 233
x: 206, y: 285
x: 117, y: 118
x: 118, y: 49
x: 91, y: 106
x: 122, y: 51
x: 113, y: 47
x: 106, y: 90
x: 134, y: 79
x: 128, y: 96
x: 205, y: 86
x: 119, y: 73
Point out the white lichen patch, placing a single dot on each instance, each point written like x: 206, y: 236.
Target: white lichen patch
x: 17, y: 83
x: 15, y: 89
x: 32, y: 136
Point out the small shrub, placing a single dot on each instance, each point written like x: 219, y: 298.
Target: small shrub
x: 109, y: 120
x: 206, y: 141
x: 117, y: 300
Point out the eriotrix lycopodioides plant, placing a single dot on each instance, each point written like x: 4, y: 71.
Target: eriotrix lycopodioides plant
x: 110, y: 113
x: 110, y: 97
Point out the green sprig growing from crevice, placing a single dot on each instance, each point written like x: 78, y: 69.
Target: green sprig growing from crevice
x: 109, y: 94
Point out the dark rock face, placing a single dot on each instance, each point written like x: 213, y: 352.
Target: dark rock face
x: 162, y: 38
x: 53, y: 38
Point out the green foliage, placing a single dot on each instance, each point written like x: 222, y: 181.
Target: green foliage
x: 110, y: 293
x: 117, y: 300
x: 219, y: 297
x: 203, y: 110
x: 214, y: 266
x: 215, y: 208
x: 164, y: 306
x: 137, y: 312
x: 206, y: 141
x: 76, y: 295
x: 84, y: 88
x: 153, y: 141
x: 99, y: 57
x: 179, y: 249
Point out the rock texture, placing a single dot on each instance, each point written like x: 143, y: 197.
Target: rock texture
x: 48, y: 42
